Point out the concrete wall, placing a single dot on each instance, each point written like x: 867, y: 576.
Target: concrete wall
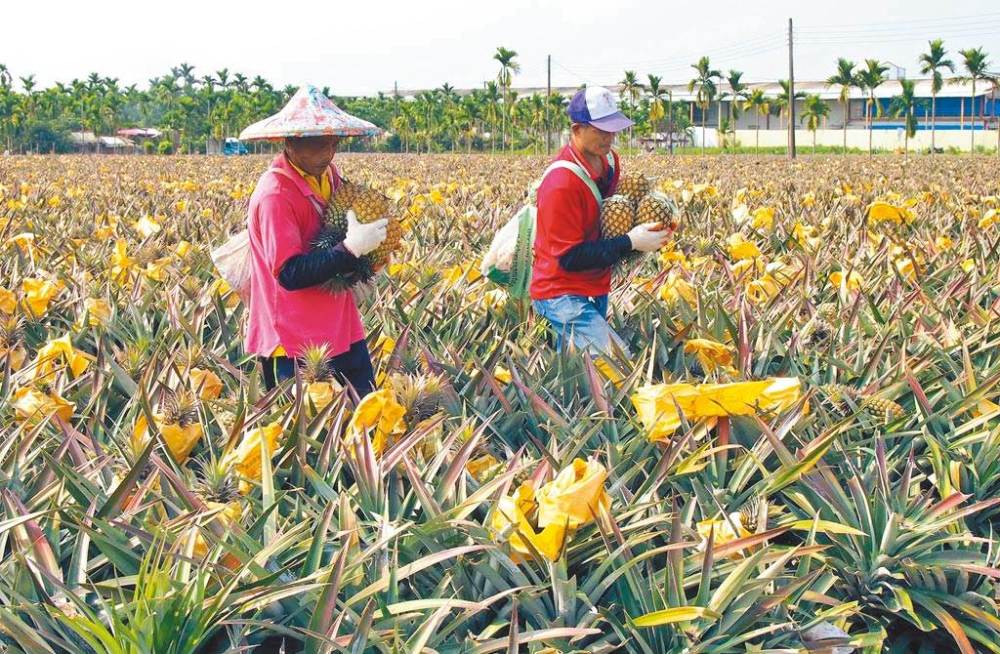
x: 858, y: 138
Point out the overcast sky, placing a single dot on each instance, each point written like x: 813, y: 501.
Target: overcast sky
x: 364, y: 47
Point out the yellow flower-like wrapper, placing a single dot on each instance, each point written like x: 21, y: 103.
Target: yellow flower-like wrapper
x: 59, y: 348
x: 722, y: 532
x: 245, y: 458
x: 8, y: 301
x: 379, y: 411
x: 205, y: 383
x: 710, y: 354
x: 180, y: 440
x: 33, y: 405
x: 575, y: 497
x: 98, y: 311
x: 512, y: 514
x: 880, y: 211
x: 852, y: 281
x: 483, y: 467
x: 660, y: 406
x: 38, y: 293
x: 676, y: 288
x: 740, y: 248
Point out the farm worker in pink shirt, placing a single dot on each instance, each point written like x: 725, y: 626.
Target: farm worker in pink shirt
x: 290, y: 310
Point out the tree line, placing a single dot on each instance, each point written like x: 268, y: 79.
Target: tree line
x: 192, y: 109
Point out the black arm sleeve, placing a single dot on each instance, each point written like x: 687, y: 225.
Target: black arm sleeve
x: 590, y: 255
x: 315, y: 267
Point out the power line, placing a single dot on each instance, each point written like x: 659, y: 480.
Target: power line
x: 902, y: 23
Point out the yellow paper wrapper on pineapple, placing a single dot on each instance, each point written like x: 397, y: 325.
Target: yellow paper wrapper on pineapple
x: 98, y: 311
x: 513, y: 513
x: 723, y: 532
x: 483, y: 467
x: 245, y: 458
x: 32, y: 405
x: 710, y: 354
x: 8, y: 301
x: 378, y: 411
x: 17, y: 356
x: 179, y: 440
x: 660, y: 406
x: 37, y: 295
x: 205, y: 383
x: 608, y: 371
x: 321, y: 393
x: 575, y: 497
x: 60, y: 348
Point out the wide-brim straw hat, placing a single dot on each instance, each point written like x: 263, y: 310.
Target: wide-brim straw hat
x: 308, y: 113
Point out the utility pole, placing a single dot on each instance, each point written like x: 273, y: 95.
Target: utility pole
x: 791, y: 95
x: 548, y: 101
x: 670, y: 123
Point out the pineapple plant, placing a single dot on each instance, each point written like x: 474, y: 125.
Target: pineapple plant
x: 617, y: 216
x: 178, y: 422
x: 320, y: 386
x: 11, y: 349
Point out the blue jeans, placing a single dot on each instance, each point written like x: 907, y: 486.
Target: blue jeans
x: 583, y: 320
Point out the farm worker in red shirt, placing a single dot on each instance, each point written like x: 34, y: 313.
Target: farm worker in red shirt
x: 289, y: 309
x: 571, y: 275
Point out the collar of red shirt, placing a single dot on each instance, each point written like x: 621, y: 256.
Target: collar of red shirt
x: 582, y: 160
x: 281, y: 161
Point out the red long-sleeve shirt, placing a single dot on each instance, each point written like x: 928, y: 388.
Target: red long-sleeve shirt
x: 568, y: 215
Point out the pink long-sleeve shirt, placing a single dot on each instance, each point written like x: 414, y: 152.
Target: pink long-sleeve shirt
x: 283, y: 217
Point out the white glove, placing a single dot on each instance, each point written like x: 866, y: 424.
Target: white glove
x: 362, y: 238
x: 648, y: 237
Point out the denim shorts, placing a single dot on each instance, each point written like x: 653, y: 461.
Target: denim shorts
x: 582, y: 319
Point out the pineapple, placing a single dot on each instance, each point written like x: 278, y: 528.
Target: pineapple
x: 316, y: 373
x: 838, y: 397
x: 617, y: 216
x: 634, y: 186
x: 368, y: 205
x: 218, y: 488
x: 882, y: 407
x: 753, y: 515
x: 177, y: 421
x: 421, y: 395
x: 657, y: 208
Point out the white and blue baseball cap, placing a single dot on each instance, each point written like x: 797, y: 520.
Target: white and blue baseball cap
x: 596, y: 106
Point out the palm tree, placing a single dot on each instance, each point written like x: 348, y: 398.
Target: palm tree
x: 758, y: 102
x: 705, y: 82
x: 903, y: 106
x: 931, y: 63
x: 814, y: 110
x: 492, y: 98
x: 976, y: 63
x: 631, y: 87
x: 656, y: 98
x: 506, y: 75
x: 846, y: 79
x: 737, y: 92
x: 870, y: 78
x: 782, y: 102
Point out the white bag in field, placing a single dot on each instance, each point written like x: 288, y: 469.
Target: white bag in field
x: 502, y: 248
x: 232, y: 260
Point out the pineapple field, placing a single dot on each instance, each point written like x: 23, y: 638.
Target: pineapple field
x: 801, y: 455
